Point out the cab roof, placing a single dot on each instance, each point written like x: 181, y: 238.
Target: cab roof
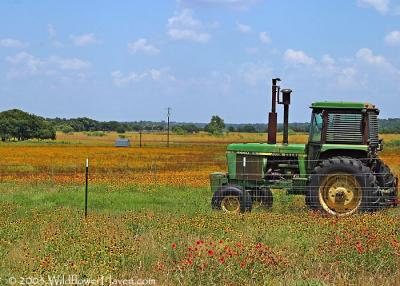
x: 342, y: 105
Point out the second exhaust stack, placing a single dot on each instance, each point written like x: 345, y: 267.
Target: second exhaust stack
x: 286, y: 102
x: 272, y: 118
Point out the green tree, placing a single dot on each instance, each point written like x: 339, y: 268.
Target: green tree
x: 120, y: 129
x: 67, y: 129
x: 216, y: 125
x: 178, y: 130
x: 23, y: 126
x: 247, y: 128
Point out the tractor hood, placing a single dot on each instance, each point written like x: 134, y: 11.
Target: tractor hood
x: 267, y: 148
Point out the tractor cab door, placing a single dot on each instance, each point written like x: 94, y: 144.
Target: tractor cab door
x: 315, y: 138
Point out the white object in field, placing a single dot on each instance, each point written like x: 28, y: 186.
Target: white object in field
x: 122, y: 142
x: 244, y: 161
x: 87, y: 162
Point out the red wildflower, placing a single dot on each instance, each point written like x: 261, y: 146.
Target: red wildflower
x: 221, y: 241
x: 222, y: 260
x: 173, y: 245
x: 211, y: 252
x: 160, y: 266
x: 243, y: 264
x: 359, y: 247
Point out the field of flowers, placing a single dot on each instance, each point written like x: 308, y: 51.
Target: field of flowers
x: 150, y: 218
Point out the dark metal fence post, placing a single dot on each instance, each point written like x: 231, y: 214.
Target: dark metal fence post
x: 140, y: 138
x: 86, y: 187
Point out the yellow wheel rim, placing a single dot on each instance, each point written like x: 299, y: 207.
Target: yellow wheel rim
x: 257, y: 204
x: 340, y: 194
x: 230, y: 204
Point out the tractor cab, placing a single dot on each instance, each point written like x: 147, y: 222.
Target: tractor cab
x: 337, y: 125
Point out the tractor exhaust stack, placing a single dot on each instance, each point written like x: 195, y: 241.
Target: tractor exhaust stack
x: 273, y: 117
x: 286, y: 102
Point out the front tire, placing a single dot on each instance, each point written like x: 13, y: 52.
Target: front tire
x: 231, y: 199
x: 342, y: 186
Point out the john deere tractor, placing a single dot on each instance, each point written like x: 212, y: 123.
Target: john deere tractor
x: 338, y: 171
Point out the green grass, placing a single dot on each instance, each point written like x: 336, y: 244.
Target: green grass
x: 101, y: 199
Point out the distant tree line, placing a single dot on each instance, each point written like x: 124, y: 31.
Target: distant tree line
x: 391, y: 125
x: 86, y: 124
x: 19, y: 125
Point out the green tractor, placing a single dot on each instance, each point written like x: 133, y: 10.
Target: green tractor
x: 338, y: 171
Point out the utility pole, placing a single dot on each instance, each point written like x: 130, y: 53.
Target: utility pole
x: 168, y: 115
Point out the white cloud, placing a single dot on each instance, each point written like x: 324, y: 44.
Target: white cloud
x: 155, y: 74
x: 252, y: 73
x: 264, y: 38
x: 359, y: 71
x: 185, y: 27
x: 142, y: 46
x: 51, y: 31
x: 31, y: 64
x: 24, y: 64
x: 381, y: 6
x: 119, y: 79
x: 83, y: 40
x: 235, y: 4
x: 346, y: 77
x: 367, y: 56
x: 298, y: 57
x: 69, y: 64
x: 327, y: 60
x: 393, y: 38
x: 242, y: 28
x: 12, y: 43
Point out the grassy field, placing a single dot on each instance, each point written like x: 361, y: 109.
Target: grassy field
x: 150, y: 218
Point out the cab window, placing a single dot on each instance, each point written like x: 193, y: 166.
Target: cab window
x: 316, y: 127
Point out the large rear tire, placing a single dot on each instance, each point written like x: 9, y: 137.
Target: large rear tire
x: 231, y: 199
x: 342, y: 186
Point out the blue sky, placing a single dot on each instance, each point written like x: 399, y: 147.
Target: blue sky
x: 130, y: 60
